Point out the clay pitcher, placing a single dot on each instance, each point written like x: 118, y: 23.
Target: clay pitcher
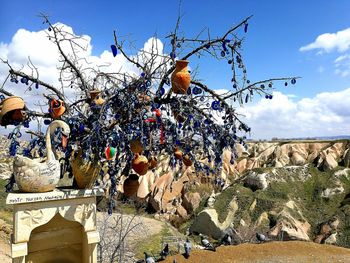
x: 187, y: 161
x: 85, y: 173
x: 181, y: 78
x: 140, y: 164
x: 178, y: 153
x: 136, y: 146
x: 12, y: 110
x: 152, y: 163
x: 96, y: 97
x: 131, y: 185
x: 56, y: 109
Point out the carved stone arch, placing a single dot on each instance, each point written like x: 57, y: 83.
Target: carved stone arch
x: 59, y: 240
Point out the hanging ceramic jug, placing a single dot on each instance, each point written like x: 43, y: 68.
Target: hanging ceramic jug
x: 178, y: 153
x: 131, y: 185
x: 56, y: 108
x: 187, y: 161
x: 152, y: 163
x: 140, y: 164
x: 96, y: 97
x: 12, y: 110
x: 181, y: 78
x: 136, y: 146
x: 85, y: 172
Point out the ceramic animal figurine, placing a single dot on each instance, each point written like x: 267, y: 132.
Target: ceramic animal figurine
x: 36, y: 175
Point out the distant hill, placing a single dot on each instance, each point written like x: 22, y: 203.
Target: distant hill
x: 321, y: 138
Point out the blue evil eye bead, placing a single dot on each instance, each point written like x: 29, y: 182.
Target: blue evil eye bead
x: 172, y: 55
x: 234, y: 86
x: 2, y: 97
x: 143, y: 74
x: 36, y: 85
x: 270, y: 97
x: 148, y: 83
x: 81, y: 128
x: 161, y: 91
x: 246, y: 98
x: 215, y: 105
x: 207, y: 46
x: 293, y: 81
x: 196, y: 124
x: 26, y: 124
x: 245, y: 27
x: 47, y: 121
x: 267, y: 96
x: 286, y: 83
x: 270, y: 85
x: 224, y: 47
x: 114, y: 50
x: 23, y: 80
x: 202, y: 99
x: 262, y: 86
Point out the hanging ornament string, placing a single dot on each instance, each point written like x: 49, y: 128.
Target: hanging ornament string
x: 158, y: 118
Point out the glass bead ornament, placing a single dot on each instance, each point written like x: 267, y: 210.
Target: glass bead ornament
x: 110, y: 152
x: 114, y: 50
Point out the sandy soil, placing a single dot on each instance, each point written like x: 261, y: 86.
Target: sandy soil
x: 273, y: 252
x: 5, y: 250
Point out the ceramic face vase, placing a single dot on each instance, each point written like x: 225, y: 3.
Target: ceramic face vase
x: 56, y: 109
x: 181, y: 78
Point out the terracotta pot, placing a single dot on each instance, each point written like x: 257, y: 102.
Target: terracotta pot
x: 131, y: 185
x: 56, y: 108
x: 85, y: 173
x: 140, y: 164
x: 181, y: 78
x: 178, y: 153
x: 152, y: 163
x: 96, y: 98
x: 136, y: 146
x: 12, y: 110
x: 187, y: 161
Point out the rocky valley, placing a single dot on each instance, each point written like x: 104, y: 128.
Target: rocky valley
x: 286, y: 190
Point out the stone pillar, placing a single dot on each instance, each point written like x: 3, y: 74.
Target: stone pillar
x: 58, y: 226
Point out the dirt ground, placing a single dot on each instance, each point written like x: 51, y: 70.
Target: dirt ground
x: 5, y: 250
x: 273, y: 252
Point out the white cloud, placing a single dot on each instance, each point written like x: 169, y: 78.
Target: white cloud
x: 328, y: 42
x: 326, y: 114
x: 342, y: 65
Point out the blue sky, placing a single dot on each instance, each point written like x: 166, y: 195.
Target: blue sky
x: 272, y: 46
